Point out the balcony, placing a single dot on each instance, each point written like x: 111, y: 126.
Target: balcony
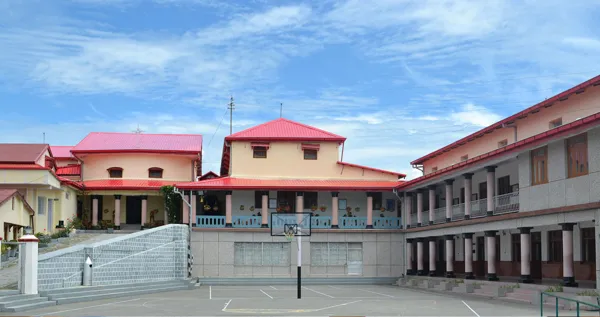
x: 318, y: 222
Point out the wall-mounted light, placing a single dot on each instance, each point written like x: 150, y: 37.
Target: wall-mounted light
x: 27, y: 230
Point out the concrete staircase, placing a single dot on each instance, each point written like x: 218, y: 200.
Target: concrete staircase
x: 91, y: 293
x: 11, y: 301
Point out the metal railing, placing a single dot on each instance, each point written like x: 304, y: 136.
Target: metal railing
x: 320, y: 222
x: 425, y: 219
x: 413, y: 220
x: 387, y: 222
x: 352, y: 222
x: 577, y: 303
x: 439, y: 215
x: 210, y: 221
x: 245, y: 221
x: 479, y: 208
x: 458, y: 212
x: 506, y: 203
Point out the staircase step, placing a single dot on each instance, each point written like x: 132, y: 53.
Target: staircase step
x: 8, y: 292
x: 42, y: 302
x: 110, y: 287
x: 10, y: 298
x: 119, y: 288
x: 140, y: 291
x: 23, y: 301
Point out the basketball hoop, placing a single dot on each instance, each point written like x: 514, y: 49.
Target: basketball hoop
x: 289, y: 231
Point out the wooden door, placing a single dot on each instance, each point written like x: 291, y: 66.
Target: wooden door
x: 536, y: 255
x: 479, y: 265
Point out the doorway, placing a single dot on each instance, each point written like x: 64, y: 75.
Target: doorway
x: 536, y: 256
x: 440, y: 265
x: 479, y: 265
x: 133, y: 210
x: 286, y: 199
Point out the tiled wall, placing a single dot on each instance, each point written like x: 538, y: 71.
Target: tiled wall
x: 151, y: 255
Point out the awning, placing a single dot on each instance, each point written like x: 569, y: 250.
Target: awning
x: 260, y: 144
x: 231, y: 183
x: 308, y: 146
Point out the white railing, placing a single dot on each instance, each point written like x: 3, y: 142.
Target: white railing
x: 479, y: 208
x: 506, y: 203
x: 425, y: 218
x: 439, y: 215
x: 413, y: 220
x: 458, y: 212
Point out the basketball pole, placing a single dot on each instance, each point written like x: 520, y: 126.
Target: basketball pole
x: 299, y: 264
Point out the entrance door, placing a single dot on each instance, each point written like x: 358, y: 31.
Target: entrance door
x: 479, y: 266
x: 440, y: 265
x: 133, y: 210
x: 50, y: 214
x: 536, y: 255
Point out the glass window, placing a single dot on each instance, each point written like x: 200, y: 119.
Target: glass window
x: 516, y: 247
x: 155, y: 172
x: 115, y: 172
x: 311, y: 199
x: 342, y: 204
x: 555, y: 246
x: 502, y: 143
x: 310, y: 154
x: 259, y: 152
x: 588, y: 245
x: 335, y: 253
x: 539, y: 166
x: 42, y: 205
x: 577, y: 156
x: 262, y: 254
x: 555, y: 123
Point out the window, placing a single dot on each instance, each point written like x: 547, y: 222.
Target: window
x: 504, y: 185
x: 377, y: 200
x: 555, y: 246
x: 588, y: 245
x: 539, y: 166
x: 258, y: 199
x: 577, y: 156
x: 259, y: 152
x: 390, y: 204
x: 310, y: 154
x: 434, y: 169
x: 13, y: 203
x: 462, y: 195
x: 41, y: 205
x: 483, y: 190
x: 155, y: 172
x: 311, y: 199
x: 342, y: 204
x: 502, y: 143
x: 335, y: 253
x: 262, y: 253
x: 115, y: 172
x: 516, y: 247
x: 555, y: 123
x: 464, y: 158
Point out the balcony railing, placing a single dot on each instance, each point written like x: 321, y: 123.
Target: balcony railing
x: 387, y: 222
x: 458, y: 212
x: 439, y: 215
x: 506, y: 203
x: 479, y: 208
x: 320, y: 222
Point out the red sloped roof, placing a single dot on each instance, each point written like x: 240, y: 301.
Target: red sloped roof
x: 546, y: 103
x: 284, y: 130
x: 372, y: 169
x: 22, y: 167
x: 109, y: 142
x: 62, y: 152
x: 6, y: 194
x: 21, y: 153
x: 230, y: 183
x: 125, y: 184
x: 69, y: 170
x: 210, y: 174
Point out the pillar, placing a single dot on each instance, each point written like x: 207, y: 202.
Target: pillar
x: 431, y: 203
x: 468, y: 187
x: 145, y: 210
x: 420, y: 257
x: 28, y: 261
x: 299, y: 201
x: 409, y: 259
x: 491, y: 181
x: 597, y: 240
x: 525, y: 255
x: 193, y: 218
x: 369, y: 210
x: 432, y: 257
x: 567, y: 241
x: 468, y: 237
x: 265, y: 210
x: 95, y: 210
x: 334, y: 210
x: 490, y: 237
x: 117, y: 212
x: 450, y: 256
x: 408, y: 208
x: 419, y: 208
x: 185, y: 216
x: 449, y: 199
x: 228, y: 208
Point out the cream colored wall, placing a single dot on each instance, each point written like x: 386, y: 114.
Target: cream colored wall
x: 576, y: 107
x: 42, y: 160
x: 19, y: 215
x: 41, y: 221
x: 135, y: 166
x: 28, y: 177
x: 286, y: 160
x: 154, y: 202
x: 61, y: 163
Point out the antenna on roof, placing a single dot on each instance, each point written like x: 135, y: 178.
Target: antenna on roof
x: 138, y: 130
x: 43, y: 137
x: 231, y: 106
x: 281, y: 109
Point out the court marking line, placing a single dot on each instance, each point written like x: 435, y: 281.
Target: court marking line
x: 338, y: 305
x: 227, y: 304
x: 312, y: 290
x: 266, y: 294
x: 273, y: 287
x: 469, y: 307
x: 334, y: 287
x: 284, y: 310
x: 364, y: 290
x: 210, y: 292
x: 86, y: 307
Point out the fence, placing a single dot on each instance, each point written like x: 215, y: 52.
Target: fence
x: 157, y: 254
x: 579, y: 305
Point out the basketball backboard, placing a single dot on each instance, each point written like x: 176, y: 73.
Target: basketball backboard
x: 299, y: 222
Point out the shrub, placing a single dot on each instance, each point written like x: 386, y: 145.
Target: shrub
x: 44, y: 238
x: 554, y: 289
x: 588, y: 292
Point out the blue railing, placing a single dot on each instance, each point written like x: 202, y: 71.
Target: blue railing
x: 387, y: 222
x: 246, y: 221
x: 210, y: 221
x: 320, y: 222
x: 352, y: 222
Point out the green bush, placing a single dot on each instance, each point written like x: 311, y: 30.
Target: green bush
x: 554, y: 289
x: 59, y: 234
x: 5, y: 248
x: 588, y: 292
x: 44, y: 238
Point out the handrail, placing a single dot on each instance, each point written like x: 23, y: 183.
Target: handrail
x: 557, y: 297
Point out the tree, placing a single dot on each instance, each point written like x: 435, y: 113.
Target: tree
x: 172, y: 203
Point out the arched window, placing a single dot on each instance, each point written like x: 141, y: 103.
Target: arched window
x: 155, y: 172
x: 115, y: 172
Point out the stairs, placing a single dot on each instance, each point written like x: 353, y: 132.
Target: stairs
x: 91, y: 293
x: 524, y: 295
x: 12, y: 301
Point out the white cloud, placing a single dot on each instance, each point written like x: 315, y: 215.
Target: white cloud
x: 475, y: 115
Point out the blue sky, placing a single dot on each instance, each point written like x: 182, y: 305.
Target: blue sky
x: 398, y: 78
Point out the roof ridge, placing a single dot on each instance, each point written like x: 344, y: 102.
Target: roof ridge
x: 133, y: 133
x: 312, y: 128
x: 288, y: 121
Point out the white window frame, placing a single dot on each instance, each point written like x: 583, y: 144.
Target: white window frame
x: 349, y: 246
x: 245, y: 247
x: 42, y: 201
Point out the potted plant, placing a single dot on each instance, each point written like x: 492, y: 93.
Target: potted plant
x: 215, y: 208
x: 348, y: 209
x: 251, y: 208
x: 241, y: 207
x: 110, y: 228
x: 288, y: 208
x: 5, y: 249
x: 313, y: 207
x: 278, y: 209
x: 382, y: 209
x: 357, y: 209
x: 323, y: 208
x: 206, y: 207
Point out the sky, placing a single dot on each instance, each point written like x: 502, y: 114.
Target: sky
x: 398, y: 78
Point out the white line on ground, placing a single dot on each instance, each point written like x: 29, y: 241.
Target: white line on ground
x: 86, y: 307
x: 266, y: 294
x: 469, y: 307
x: 364, y: 290
x: 312, y: 290
x: 273, y: 287
x: 338, y: 305
x: 226, y: 305
x: 334, y: 287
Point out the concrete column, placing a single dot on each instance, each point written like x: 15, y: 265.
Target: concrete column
x: 117, y: 212
x: 449, y: 199
x: 419, y: 208
x: 28, y: 263
x: 265, y: 210
x: 299, y: 202
x: 95, y: 210
x: 369, y: 211
x: 185, y: 216
x: 597, y: 240
x: 420, y: 257
x: 193, y: 220
x: 228, y: 209
x: 491, y: 181
x: 432, y: 257
x: 490, y: 237
x: 145, y: 210
x: 525, y: 255
x: 334, y: 210
x: 468, y: 187
x: 567, y: 241
x: 408, y: 208
x: 409, y: 259
x: 450, y: 256
x: 468, y: 237
x: 431, y: 203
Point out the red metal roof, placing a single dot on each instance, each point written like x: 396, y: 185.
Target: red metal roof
x: 69, y: 170
x: 72, y: 183
x: 21, y: 153
x: 231, y: 183
x: 125, y: 184
x: 530, y: 142
x: 22, y: 167
x: 209, y: 175
x: 105, y: 142
x: 400, y: 175
x: 284, y: 130
x: 62, y: 152
x: 546, y: 103
x: 8, y: 193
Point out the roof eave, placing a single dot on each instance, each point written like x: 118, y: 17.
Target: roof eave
x: 136, y: 151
